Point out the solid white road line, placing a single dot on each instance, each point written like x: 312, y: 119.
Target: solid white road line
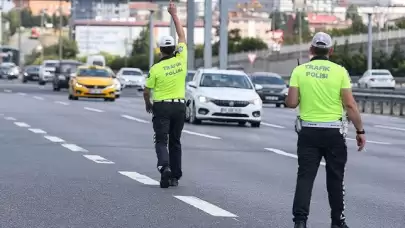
x: 54, y: 138
x: 74, y: 148
x: 93, y: 109
x: 272, y: 125
x: 21, y: 124
x: 390, y: 128
x: 22, y: 94
x: 37, y: 131
x: 38, y: 98
x: 205, y: 206
x: 371, y: 141
x: 140, y: 178
x: 7, y: 91
x: 134, y: 118
x: 10, y: 118
x: 200, y: 134
x: 98, y: 159
x: 280, y: 152
x: 61, y: 102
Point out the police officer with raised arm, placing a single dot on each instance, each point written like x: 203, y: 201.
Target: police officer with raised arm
x: 167, y: 79
x: 320, y: 87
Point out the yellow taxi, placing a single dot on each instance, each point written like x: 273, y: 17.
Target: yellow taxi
x: 92, y: 82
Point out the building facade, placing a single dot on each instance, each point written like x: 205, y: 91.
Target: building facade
x: 100, y: 9
x: 49, y: 6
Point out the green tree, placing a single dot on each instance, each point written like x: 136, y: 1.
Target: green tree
x: 400, y: 23
x: 352, y: 12
x: 13, y: 18
x: 301, y: 23
x: 279, y: 20
x: 141, y: 44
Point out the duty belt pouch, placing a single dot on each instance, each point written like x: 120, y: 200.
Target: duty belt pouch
x: 345, y: 125
x: 298, y: 125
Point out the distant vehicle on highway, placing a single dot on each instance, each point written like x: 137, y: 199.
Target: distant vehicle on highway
x: 34, y: 33
x: 10, y: 55
x: 378, y: 79
x: 92, y: 82
x: 131, y: 78
x: 97, y: 60
x: 47, y: 71
x: 190, y: 75
x: 223, y: 95
x: 9, y: 71
x: 30, y: 73
x: 65, y: 69
x: 274, y: 90
x: 117, y: 83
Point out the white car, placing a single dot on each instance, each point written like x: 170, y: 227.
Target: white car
x: 224, y: 96
x: 47, y: 71
x: 117, y: 83
x: 381, y: 79
x: 131, y: 77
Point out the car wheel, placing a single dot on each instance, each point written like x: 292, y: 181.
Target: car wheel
x: 278, y: 105
x: 193, y: 118
x: 56, y: 88
x: 117, y: 96
x: 242, y: 123
x: 255, y: 124
x: 41, y: 83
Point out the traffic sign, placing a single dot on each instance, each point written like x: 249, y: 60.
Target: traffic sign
x: 252, y: 58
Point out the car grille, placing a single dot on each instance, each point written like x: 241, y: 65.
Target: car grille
x: 95, y: 87
x: 226, y: 103
x: 268, y: 90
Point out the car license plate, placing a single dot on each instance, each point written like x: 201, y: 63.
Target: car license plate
x: 95, y: 91
x: 271, y: 98
x: 231, y: 110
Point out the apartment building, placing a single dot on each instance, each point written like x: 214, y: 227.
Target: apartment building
x: 49, y: 6
x: 100, y: 9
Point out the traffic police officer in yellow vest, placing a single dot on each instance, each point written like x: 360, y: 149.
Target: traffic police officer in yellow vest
x: 167, y: 79
x: 320, y: 87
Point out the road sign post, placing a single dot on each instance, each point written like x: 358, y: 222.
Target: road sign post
x: 252, y: 58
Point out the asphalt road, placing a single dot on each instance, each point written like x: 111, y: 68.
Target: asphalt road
x: 92, y: 164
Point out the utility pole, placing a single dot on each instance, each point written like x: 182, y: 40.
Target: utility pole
x: 1, y: 25
x: 60, y: 30
x: 208, y: 34
x: 151, y: 39
x: 223, y: 34
x: 190, y: 34
x: 370, y: 43
x: 19, y: 32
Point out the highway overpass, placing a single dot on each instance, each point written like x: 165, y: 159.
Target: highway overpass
x: 284, y: 61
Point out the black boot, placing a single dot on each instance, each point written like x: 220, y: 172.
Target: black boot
x: 174, y: 182
x: 342, y: 225
x: 165, y: 177
x: 300, y: 225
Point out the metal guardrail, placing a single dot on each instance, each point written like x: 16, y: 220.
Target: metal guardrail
x: 352, y: 39
x: 388, y: 104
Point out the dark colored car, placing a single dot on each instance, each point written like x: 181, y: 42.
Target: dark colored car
x: 30, y: 73
x: 274, y: 90
x: 63, y: 72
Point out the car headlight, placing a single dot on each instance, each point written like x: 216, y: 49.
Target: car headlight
x: 112, y: 86
x: 285, y: 91
x: 25, y: 74
x: 203, y: 99
x: 78, y: 85
x: 257, y: 101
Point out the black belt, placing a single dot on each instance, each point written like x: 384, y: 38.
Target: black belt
x: 171, y: 101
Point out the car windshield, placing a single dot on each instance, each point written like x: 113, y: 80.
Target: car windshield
x: 190, y: 76
x: 51, y: 64
x: 225, y: 80
x: 131, y: 73
x: 32, y: 69
x: 87, y: 72
x: 267, y: 80
x: 382, y: 73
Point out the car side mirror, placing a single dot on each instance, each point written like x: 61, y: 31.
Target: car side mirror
x: 192, y: 84
x: 288, y: 86
x: 258, y: 87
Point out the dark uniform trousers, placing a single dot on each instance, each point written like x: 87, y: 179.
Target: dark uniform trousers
x: 168, y: 123
x: 313, y: 144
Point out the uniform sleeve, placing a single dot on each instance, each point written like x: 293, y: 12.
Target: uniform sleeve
x: 294, y: 78
x: 346, y: 81
x: 181, y: 51
x: 151, y: 79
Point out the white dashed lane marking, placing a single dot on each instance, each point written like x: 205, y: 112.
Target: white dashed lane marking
x: 135, y: 119
x: 37, y: 131
x: 93, y: 109
x: 140, y: 178
x: 38, y: 98
x: 200, y: 134
x: 54, y: 139
x: 8, y: 91
x: 98, y: 159
x: 371, y: 141
x: 74, y: 148
x: 61, y: 103
x: 9, y: 118
x: 205, y: 206
x: 280, y: 152
x: 272, y: 125
x: 390, y: 128
x: 22, y: 94
x: 21, y: 124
